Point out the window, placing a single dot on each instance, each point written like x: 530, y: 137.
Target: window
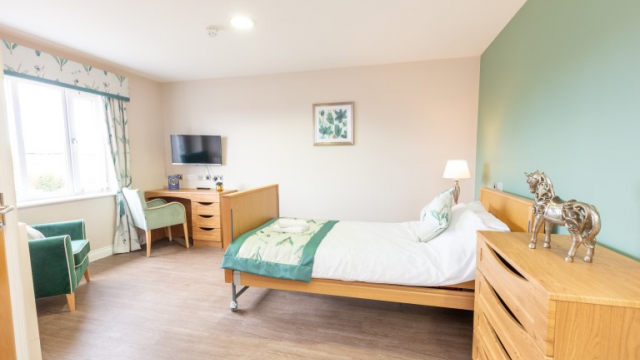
x: 58, y: 141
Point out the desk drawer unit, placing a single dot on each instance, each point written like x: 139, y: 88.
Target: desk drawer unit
x: 203, y: 213
x: 531, y: 304
x: 205, y: 222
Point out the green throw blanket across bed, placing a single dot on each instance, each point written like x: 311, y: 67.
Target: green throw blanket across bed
x: 263, y: 251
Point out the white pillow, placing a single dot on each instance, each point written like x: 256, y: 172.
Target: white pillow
x: 464, y: 219
x: 33, y: 234
x: 491, y: 221
x: 435, y: 217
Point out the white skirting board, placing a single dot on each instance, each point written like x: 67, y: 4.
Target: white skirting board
x: 101, y: 253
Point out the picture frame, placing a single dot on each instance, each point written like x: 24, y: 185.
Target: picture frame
x: 173, y: 182
x: 333, y: 124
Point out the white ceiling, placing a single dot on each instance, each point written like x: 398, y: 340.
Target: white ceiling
x: 166, y: 40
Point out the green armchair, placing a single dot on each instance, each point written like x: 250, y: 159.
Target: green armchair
x: 155, y: 214
x: 59, y: 261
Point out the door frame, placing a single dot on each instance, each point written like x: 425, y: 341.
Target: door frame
x: 25, y: 320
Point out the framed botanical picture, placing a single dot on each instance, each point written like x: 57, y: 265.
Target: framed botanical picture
x: 333, y: 124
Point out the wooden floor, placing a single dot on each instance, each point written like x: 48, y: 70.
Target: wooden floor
x: 175, y: 305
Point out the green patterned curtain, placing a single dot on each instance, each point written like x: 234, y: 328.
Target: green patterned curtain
x: 126, y: 238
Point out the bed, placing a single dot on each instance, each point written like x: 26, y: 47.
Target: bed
x: 245, y: 211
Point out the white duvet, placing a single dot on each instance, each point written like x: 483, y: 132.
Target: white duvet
x: 389, y: 253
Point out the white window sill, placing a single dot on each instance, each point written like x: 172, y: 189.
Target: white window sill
x: 65, y: 199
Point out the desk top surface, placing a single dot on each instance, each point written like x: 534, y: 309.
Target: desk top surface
x: 168, y: 192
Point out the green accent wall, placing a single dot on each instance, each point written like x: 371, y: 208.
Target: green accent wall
x: 560, y: 93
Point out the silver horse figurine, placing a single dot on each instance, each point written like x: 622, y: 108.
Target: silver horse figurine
x: 581, y: 219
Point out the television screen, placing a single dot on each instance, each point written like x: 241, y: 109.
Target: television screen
x: 196, y: 150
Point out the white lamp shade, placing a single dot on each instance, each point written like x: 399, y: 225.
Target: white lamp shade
x: 456, y: 169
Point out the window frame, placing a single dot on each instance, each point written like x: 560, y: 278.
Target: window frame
x: 74, y: 189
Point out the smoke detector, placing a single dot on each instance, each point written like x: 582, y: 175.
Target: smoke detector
x: 212, y: 31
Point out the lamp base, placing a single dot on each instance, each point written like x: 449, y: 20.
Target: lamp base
x: 456, y: 191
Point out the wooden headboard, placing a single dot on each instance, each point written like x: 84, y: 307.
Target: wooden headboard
x: 515, y: 211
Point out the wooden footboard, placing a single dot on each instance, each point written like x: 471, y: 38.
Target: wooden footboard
x: 246, y: 210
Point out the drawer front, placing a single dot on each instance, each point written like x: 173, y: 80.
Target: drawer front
x: 205, y: 208
x: 513, y: 337
x: 478, y: 350
x: 489, y: 346
x: 481, y: 355
x: 478, y: 347
x: 205, y: 221
x: 210, y: 234
x: 213, y: 196
x: 529, y: 305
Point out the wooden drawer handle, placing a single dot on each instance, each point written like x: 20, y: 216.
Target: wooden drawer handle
x: 506, y: 264
x: 205, y: 203
x: 491, y: 339
x: 505, y: 307
x: 504, y: 350
x: 206, y: 216
x: 205, y: 229
x: 484, y: 355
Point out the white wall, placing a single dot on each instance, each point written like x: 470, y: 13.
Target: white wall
x: 147, y: 150
x: 410, y: 119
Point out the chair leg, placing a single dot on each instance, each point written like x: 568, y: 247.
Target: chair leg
x: 148, y: 232
x: 71, y: 300
x: 169, y: 231
x: 87, y: 277
x: 186, y: 234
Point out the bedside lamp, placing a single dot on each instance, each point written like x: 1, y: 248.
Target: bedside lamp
x: 456, y: 170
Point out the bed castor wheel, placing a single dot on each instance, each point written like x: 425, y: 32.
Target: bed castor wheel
x: 233, y: 306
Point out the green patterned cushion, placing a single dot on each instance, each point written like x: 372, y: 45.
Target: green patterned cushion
x: 435, y: 217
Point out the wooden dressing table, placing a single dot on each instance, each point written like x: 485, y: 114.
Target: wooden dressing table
x: 203, y: 214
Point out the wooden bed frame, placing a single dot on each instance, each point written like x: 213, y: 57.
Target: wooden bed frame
x: 246, y: 210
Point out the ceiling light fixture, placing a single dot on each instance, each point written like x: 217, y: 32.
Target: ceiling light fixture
x: 212, y: 30
x: 242, y: 22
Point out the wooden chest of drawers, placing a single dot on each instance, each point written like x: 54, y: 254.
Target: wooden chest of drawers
x: 531, y: 304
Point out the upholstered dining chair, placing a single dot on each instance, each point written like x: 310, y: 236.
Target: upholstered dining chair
x: 155, y: 214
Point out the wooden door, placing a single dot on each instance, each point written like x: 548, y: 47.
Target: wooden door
x: 8, y: 233
x: 7, y: 338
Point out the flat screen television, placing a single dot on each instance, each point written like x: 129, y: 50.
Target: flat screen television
x: 196, y: 149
